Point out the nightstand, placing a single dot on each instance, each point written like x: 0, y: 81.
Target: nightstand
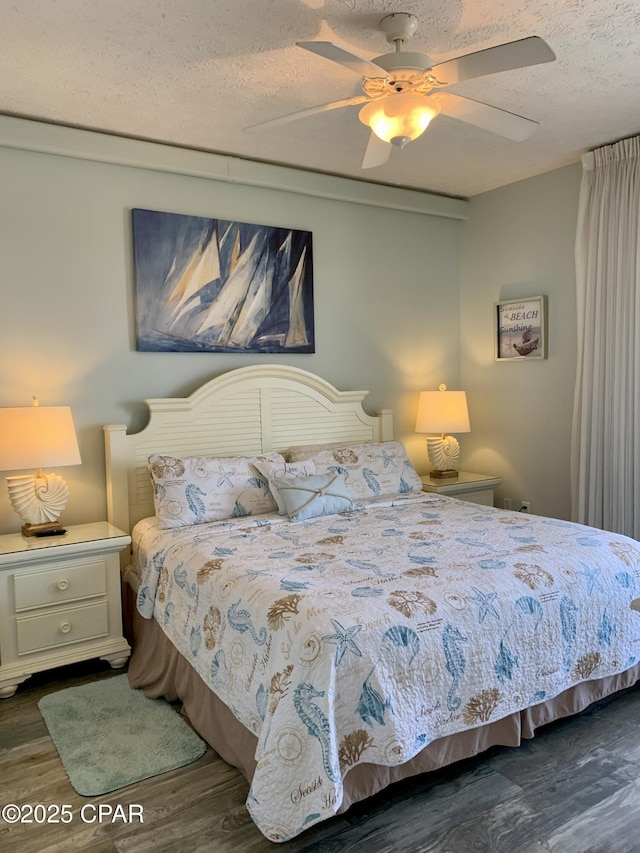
x: 60, y: 601
x: 475, y: 488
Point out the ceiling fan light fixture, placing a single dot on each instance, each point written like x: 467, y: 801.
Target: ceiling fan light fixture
x: 400, y: 118
x: 400, y: 141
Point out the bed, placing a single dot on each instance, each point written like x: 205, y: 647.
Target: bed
x: 328, y: 627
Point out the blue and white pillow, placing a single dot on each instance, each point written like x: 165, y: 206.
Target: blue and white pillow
x: 309, y: 497
x: 196, y: 489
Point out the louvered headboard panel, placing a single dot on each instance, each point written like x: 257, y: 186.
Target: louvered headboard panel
x: 249, y: 410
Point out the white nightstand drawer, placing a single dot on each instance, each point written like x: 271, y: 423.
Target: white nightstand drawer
x: 61, y: 627
x: 73, y: 581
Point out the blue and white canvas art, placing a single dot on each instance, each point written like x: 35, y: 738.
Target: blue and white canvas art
x: 212, y: 285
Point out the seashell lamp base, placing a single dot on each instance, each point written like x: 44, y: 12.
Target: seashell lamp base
x: 38, y: 500
x: 444, y: 453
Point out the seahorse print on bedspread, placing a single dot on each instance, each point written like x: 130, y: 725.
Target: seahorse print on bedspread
x: 316, y: 723
x: 240, y: 620
x: 456, y: 663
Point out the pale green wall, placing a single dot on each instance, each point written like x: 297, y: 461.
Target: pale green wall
x: 386, y: 287
x: 519, y: 241
x: 403, y: 297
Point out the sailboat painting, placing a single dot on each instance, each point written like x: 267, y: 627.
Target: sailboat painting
x: 213, y: 285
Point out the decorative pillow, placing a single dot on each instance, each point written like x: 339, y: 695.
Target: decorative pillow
x: 369, y: 470
x: 309, y: 497
x: 195, y: 489
x: 272, y: 465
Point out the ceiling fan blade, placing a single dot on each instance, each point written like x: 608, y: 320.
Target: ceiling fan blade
x: 321, y: 108
x: 504, y: 57
x: 512, y: 126
x: 355, y: 63
x: 377, y: 152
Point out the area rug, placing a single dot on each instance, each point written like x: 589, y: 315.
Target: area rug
x: 109, y: 736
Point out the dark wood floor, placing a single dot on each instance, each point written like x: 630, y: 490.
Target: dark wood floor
x: 575, y: 788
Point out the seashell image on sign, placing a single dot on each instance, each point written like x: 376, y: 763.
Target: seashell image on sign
x: 212, y: 285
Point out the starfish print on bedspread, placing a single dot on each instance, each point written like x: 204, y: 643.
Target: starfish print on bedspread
x: 343, y: 638
x: 484, y: 600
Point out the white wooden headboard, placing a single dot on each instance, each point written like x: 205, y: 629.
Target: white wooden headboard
x: 249, y: 410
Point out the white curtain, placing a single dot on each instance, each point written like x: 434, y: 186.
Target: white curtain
x: 605, y: 464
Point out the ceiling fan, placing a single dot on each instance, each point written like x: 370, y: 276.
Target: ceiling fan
x: 404, y: 91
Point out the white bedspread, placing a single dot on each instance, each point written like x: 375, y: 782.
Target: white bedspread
x: 363, y: 637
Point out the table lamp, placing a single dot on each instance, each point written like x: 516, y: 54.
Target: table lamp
x: 34, y: 437
x: 441, y: 412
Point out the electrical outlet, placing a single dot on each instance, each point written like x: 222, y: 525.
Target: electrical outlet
x: 506, y: 503
x: 525, y: 506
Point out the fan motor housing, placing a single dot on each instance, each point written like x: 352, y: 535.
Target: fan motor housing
x: 403, y: 61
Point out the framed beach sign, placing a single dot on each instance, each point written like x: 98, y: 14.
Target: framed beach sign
x: 214, y: 285
x: 521, y: 329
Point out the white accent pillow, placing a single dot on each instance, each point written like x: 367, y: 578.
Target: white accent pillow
x: 369, y: 470
x: 273, y: 465
x: 196, y: 489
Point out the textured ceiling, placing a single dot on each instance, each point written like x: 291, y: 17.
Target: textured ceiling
x: 196, y: 72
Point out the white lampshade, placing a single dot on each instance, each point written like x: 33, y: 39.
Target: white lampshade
x: 440, y: 412
x: 399, y: 118
x: 35, y: 437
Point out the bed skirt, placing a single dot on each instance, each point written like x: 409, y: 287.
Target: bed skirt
x: 158, y: 668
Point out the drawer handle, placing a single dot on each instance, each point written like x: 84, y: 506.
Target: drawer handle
x: 63, y: 583
x: 65, y: 627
